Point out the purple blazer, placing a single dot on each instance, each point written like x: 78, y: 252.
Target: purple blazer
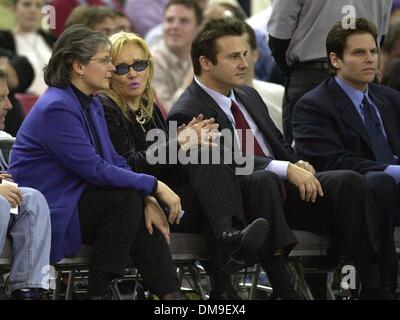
x: 55, y: 154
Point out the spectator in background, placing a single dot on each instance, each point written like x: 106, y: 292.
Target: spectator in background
x: 20, y: 76
x: 7, y: 20
x: 271, y: 93
x: 390, y: 48
x: 297, y: 32
x: 155, y: 35
x: 223, y: 10
x: 391, y: 77
x: 265, y: 69
x: 65, y: 7
x: 121, y: 22
x: 29, y: 40
x: 144, y: 14
x: 395, y: 9
x: 173, y: 70
x: 100, y: 19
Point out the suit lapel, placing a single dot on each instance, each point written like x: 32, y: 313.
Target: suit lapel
x: 96, y: 111
x: 208, y: 102
x: 260, y: 117
x: 349, y: 114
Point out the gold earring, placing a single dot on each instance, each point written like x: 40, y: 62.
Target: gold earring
x: 81, y: 74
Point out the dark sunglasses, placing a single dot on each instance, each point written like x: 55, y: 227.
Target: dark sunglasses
x: 138, y: 65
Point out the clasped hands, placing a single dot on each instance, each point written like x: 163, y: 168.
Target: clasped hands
x: 198, y: 132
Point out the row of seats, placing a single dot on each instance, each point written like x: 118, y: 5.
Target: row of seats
x: 187, y: 249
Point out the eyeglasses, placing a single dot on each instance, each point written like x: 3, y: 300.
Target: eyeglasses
x: 104, y: 60
x: 138, y: 65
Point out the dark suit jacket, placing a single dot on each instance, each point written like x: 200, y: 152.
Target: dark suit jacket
x: 329, y: 132
x: 195, y: 101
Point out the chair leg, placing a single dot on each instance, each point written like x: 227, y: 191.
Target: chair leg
x: 296, y: 271
x: 70, y: 285
x: 56, y: 291
x: 253, y: 289
x: 195, y: 274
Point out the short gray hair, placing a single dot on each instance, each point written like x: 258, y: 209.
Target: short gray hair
x: 75, y: 43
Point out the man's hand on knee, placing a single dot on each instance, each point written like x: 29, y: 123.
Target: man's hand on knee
x: 308, y: 185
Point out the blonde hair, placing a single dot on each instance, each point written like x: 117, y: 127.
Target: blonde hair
x: 118, y: 40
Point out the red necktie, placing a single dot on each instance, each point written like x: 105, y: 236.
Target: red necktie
x: 242, y: 124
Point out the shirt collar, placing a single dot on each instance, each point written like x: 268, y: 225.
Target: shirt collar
x: 356, y: 96
x: 224, y: 102
x: 84, y: 99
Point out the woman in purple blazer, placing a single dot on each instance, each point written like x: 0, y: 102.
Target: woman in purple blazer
x: 63, y: 150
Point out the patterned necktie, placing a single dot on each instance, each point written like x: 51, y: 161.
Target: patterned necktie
x: 379, y: 143
x: 242, y: 124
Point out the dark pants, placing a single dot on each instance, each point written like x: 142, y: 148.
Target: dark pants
x: 209, y: 191
x: 360, y: 227
x: 263, y: 198
x: 301, y: 80
x: 112, y: 223
x: 386, y: 196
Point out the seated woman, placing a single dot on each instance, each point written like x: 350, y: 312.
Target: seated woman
x: 63, y: 150
x: 210, y: 193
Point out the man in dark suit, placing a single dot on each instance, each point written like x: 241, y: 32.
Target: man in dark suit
x: 338, y: 203
x: 348, y: 122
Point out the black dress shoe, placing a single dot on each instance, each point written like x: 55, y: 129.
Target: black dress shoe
x: 225, y: 295
x: 30, y: 294
x: 240, y: 247
x: 174, y: 296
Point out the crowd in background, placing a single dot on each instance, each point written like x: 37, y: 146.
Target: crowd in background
x: 285, y: 58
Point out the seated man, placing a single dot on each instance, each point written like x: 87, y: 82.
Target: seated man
x: 334, y: 202
x: 347, y: 122
x: 29, y: 228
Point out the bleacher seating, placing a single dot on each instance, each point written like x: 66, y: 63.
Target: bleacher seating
x: 186, y: 249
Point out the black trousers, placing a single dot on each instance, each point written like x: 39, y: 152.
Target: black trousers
x: 360, y: 227
x: 262, y: 195
x: 112, y: 223
x: 301, y: 80
x: 208, y: 192
x: 386, y: 197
